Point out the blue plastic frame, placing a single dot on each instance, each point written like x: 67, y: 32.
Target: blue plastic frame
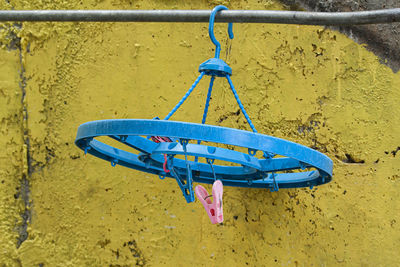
x: 130, y: 132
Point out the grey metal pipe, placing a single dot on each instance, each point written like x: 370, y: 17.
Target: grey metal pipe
x: 238, y: 16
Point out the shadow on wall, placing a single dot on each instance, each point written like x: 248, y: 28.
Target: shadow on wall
x: 381, y: 39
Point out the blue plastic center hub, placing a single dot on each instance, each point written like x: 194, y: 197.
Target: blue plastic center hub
x: 215, y: 67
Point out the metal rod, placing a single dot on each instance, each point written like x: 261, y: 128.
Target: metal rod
x: 237, y: 16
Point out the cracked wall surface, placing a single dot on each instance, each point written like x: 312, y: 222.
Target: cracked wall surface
x: 381, y: 39
x: 306, y: 84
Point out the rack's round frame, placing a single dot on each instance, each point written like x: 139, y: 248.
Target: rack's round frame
x: 270, y: 173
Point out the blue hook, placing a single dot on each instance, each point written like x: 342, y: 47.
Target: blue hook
x: 211, y: 29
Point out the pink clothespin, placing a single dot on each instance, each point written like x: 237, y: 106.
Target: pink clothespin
x: 213, y: 209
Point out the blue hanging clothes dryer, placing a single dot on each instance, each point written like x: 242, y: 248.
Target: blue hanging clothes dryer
x: 283, y: 164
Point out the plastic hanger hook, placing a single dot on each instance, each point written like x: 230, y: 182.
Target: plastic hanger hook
x: 211, y: 29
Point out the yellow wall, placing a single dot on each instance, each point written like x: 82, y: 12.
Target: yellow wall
x: 302, y: 83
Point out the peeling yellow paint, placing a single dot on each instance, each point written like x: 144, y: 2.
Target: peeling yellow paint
x: 302, y: 83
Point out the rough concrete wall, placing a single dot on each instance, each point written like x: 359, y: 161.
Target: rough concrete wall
x: 13, y: 165
x: 382, y: 39
x: 305, y: 84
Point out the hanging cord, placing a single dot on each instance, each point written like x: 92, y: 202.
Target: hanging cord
x: 208, y: 100
x: 211, y: 161
x: 203, y: 121
x: 267, y: 155
x: 240, y: 104
x: 184, y: 143
x: 185, y: 96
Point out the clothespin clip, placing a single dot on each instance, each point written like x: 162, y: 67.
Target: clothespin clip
x: 213, y: 209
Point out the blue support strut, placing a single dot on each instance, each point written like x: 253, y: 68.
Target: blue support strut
x: 185, y: 96
x: 210, y: 87
x: 240, y: 104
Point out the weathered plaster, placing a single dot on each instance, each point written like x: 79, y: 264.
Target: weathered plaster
x: 302, y: 83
